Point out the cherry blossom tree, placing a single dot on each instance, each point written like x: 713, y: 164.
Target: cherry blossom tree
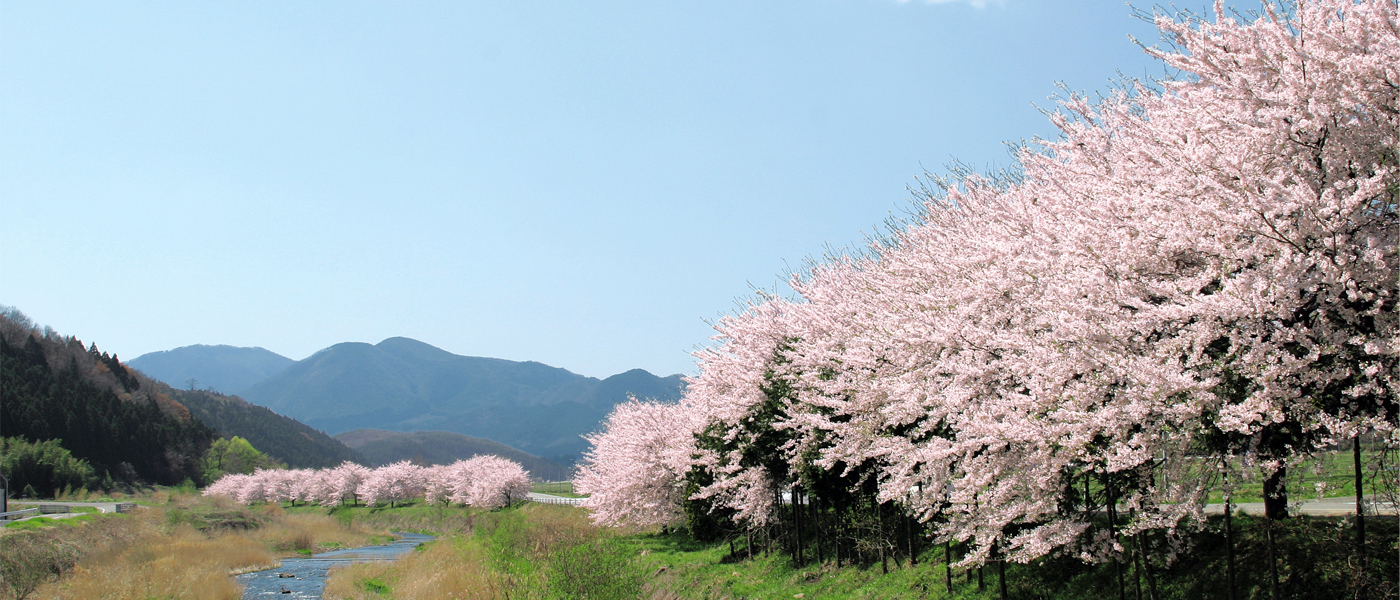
x: 491, y: 482
x: 634, y: 475
x: 1215, y: 254
x: 393, y: 483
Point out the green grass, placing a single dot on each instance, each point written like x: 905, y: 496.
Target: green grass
x: 1332, y: 469
x: 44, y: 522
x: 556, y: 488
x: 376, y: 586
x: 413, y: 516
x: 1316, y: 562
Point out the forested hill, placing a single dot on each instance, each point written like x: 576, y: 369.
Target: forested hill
x: 284, y: 438
x: 440, y: 448
x: 225, y: 369
x: 54, y: 388
x: 112, y: 415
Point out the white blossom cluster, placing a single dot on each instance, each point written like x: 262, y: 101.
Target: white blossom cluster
x: 483, y: 481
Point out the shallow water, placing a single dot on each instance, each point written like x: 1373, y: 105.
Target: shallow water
x: 309, y: 574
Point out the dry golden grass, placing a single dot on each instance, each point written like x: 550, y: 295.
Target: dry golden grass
x: 455, y: 571
x: 348, y: 582
x: 183, y: 565
x: 289, y: 533
x: 444, y: 570
x: 157, y: 553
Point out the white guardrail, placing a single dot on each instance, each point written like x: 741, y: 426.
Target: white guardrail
x: 19, y: 513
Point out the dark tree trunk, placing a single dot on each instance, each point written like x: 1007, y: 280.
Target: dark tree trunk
x: 1275, y: 509
x: 1147, y: 569
x: 1111, y: 503
x: 913, y: 548
x: 1360, y: 511
x: 797, y: 525
x: 1137, y: 568
x: 1001, y: 575
x: 948, y: 566
x: 1273, y: 560
x: 1229, y: 554
x: 1276, y: 495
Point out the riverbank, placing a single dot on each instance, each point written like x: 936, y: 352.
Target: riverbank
x: 175, y: 546
x: 530, y: 550
x: 183, y: 546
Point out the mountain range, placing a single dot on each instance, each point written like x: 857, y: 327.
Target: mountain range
x: 406, y: 385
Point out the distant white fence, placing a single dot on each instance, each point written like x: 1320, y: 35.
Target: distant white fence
x: 547, y: 499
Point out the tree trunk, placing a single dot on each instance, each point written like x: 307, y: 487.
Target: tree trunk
x: 1137, y: 567
x: 796, y: 525
x: 948, y: 566
x: 1360, y: 511
x: 1147, y: 569
x: 1275, y: 508
x: 1111, y: 503
x: 913, y: 549
x: 1001, y: 575
x: 1273, y: 560
x: 1229, y: 554
x: 1276, y: 495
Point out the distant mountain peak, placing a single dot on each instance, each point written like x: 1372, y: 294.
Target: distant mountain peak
x: 222, y: 368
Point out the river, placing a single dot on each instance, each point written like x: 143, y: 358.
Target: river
x: 308, y: 575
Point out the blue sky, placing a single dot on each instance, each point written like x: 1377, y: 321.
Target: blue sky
x: 582, y: 184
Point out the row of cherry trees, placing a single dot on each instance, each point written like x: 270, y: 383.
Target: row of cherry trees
x: 1199, y: 273
x: 482, y: 481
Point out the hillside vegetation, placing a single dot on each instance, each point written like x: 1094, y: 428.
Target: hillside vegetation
x: 284, y: 438
x: 381, y: 447
x: 103, y: 413
x: 128, y: 427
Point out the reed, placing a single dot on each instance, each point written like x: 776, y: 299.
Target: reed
x: 183, y: 546
x: 456, y: 569
x: 185, y: 564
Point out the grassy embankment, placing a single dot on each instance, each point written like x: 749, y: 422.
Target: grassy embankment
x: 1315, y: 562
x: 185, y: 547
x: 179, y: 546
x: 539, y: 551
x: 526, y: 551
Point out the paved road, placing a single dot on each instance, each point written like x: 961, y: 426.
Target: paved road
x: 1326, y: 507
x: 106, y: 507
